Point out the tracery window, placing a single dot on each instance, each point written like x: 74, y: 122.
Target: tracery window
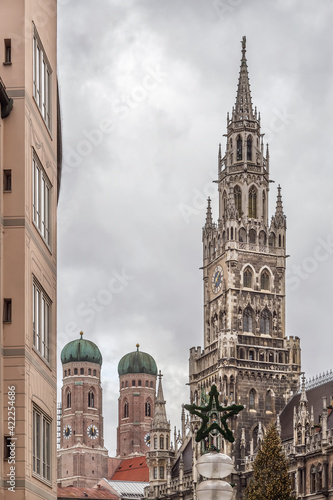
x: 268, y: 402
x: 247, y: 278
x: 239, y: 148
x: 238, y: 200
x: 252, y: 399
x: 265, y: 322
x: 252, y: 203
x: 264, y: 280
x: 249, y: 148
x: 248, y: 320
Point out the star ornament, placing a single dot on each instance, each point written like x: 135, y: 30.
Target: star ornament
x: 214, y: 417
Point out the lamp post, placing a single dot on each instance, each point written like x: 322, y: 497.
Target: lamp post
x: 214, y: 465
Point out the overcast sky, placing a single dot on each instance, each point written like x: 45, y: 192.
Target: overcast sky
x: 145, y: 88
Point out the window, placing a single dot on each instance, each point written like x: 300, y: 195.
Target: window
x: 151, y: 384
x: 7, y: 180
x: 155, y: 472
x: 238, y: 200
x: 268, y: 402
x: 161, y: 443
x: 247, y: 278
x: 89, y: 373
x: 91, y: 399
x: 94, y: 373
x: 65, y: 373
x: 126, y: 383
x: 8, y: 51
x: 161, y: 472
x: 41, y: 444
x: 41, y: 311
x: 251, y: 355
x: 264, y: 280
x: 313, y: 479
x: 264, y: 322
x: 81, y: 371
x: 247, y: 320
x: 69, y: 399
x: 41, y: 190
x: 252, y: 203
x: 271, y: 240
x: 7, y: 310
x: 249, y: 148
x: 41, y: 80
x: 252, y: 399
x: 75, y: 371
x: 139, y: 383
x: 69, y: 371
x: 239, y: 148
x: 126, y: 409
x: 147, y: 383
x: 147, y: 409
x: 155, y: 443
x: 252, y: 236
x: 133, y: 383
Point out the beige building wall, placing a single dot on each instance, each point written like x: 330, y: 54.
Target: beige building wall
x: 30, y: 155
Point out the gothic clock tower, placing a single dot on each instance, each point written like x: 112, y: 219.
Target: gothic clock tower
x: 246, y: 351
x: 82, y: 457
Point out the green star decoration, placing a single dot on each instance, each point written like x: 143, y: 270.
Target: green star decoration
x: 215, y: 410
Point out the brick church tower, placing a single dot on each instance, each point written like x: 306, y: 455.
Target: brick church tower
x: 82, y: 457
x: 137, y: 378
x: 246, y: 351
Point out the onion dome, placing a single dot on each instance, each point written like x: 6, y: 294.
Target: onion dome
x: 81, y: 350
x: 137, y: 362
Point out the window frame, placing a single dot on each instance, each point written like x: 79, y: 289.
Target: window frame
x: 42, y: 79
x: 41, y: 320
x: 41, y: 445
x: 41, y: 200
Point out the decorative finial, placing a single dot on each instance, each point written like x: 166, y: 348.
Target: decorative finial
x: 160, y: 375
x: 137, y: 346
x: 244, y: 43
x: 81, y: 333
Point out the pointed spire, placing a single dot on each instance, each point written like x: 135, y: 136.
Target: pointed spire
x: 243, y: 107
x: 279, y: 218
x: 303, y: 399
x: 160, y: 418
x: 209, y: 219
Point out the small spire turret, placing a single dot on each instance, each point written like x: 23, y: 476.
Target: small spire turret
x: 209, y: 218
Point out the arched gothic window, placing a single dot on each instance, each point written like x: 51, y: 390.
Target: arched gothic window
x: 248, y: 320
x: 239, y: 148
x: 252, y: 236
x: 126, y: 409
x: 242, y: 235
x: 271, y: 240
x: 252, y: 399
x: 313, y: 479
x: 247, y: 278
x: 264, y: 280
x: 69, y: 399
x: 249, y: 148
x: 91, y: 402
x: 238, y: 200
x: 224, y: 203
x: 252, y: 203
x: 268, y: 402
x: 161, y: 443
x: 265, y: 322
x: 148, y: 409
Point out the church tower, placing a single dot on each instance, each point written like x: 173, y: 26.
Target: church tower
x: 82, y: 457
x: 159, y: 457
x: 137, y: 379
x: 246, y: 352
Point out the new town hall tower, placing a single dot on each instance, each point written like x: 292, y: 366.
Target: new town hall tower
x: 246, y: 352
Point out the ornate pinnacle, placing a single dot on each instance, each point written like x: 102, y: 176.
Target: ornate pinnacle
x: 209, y: 219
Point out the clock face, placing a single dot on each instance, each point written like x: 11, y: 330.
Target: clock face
x: 217, y: 278
x: 92, y: 431
x: 147, y: 439
x: 67, y: 431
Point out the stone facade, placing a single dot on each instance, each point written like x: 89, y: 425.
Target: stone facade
x: 246, y: 352
x: 30, y: 159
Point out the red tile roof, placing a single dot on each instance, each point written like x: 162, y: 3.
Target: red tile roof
x: 132, y: 469
x: 83, y: 493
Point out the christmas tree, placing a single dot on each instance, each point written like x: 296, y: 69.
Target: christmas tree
x: 270, y: 480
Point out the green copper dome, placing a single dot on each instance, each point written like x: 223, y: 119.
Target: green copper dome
x: 81, y: 350
x: 137, y: 362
